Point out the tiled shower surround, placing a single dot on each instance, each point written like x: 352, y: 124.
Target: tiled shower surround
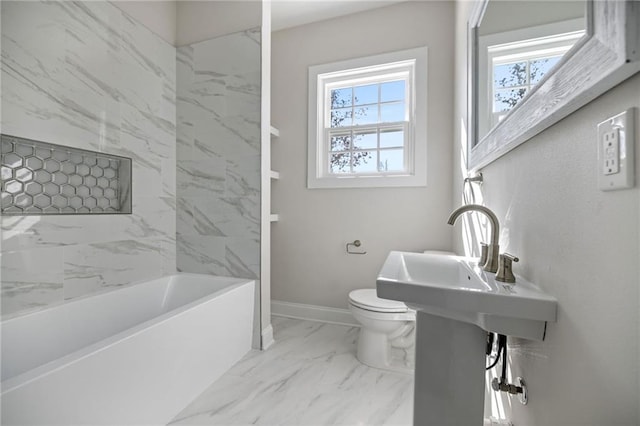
x: 39, y: 178
x: 86, y: 75
x: 218, y: 152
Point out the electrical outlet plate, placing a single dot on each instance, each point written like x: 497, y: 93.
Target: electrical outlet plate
x: 616, y: 158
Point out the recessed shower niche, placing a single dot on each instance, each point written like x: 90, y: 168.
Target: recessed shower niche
x: 40, y: 178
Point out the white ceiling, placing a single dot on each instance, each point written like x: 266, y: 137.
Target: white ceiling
x: 291, y: 13
x: 183, y: 22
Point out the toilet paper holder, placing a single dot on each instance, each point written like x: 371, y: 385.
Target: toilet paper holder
x: 355, y: 243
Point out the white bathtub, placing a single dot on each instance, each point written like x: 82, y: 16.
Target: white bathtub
x: 134, y: 356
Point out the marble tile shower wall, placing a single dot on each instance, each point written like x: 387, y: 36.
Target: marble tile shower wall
x: 218, y: 154
x: 86, y: 75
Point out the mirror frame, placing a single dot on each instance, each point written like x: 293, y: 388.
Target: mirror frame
x: 607, y: 55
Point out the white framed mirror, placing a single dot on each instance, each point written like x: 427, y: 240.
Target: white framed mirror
x: 532, y: 63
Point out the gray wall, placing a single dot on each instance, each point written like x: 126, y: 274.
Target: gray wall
x: 577, y: 243
x: 87, y: 75
x: 218, y: 182
x: 309, y: 263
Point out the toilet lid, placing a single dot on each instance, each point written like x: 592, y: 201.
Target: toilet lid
x: 367, y: 299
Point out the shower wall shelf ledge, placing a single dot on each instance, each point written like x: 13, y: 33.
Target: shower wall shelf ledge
x: 40, y: 178
x: 275, y: 133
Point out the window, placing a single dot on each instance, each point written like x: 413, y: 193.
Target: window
x: 516, y: 62
x: 518, y: 67
x: 367, y: 122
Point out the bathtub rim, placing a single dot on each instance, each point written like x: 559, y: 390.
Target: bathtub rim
x: 52, y: 366
x: 108, y: 289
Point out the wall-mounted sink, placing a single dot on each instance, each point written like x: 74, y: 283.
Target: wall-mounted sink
x: 454, y: 287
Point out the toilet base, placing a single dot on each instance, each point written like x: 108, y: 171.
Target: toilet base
x: 375, y: 351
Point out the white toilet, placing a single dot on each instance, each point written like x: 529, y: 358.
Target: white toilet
x: 387, y: 335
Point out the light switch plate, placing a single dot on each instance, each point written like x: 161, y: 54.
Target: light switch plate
x: 616, y: 158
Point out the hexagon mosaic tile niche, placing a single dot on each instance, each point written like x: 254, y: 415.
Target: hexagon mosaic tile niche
x: 40, y: 178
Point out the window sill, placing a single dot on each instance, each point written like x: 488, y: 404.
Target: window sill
x: 367, y: 182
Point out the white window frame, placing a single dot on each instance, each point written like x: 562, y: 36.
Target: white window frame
x: 407, y: 64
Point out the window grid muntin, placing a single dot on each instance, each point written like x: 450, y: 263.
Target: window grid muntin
x: 527, y: 86
x: 406, y: 76
x: 373, y: 77
x: 378, y: 129
x: 525, y: 51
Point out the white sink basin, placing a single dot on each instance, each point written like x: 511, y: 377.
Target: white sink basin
x: 454, y: 287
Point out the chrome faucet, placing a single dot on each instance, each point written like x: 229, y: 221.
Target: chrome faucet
x: 494, y: 249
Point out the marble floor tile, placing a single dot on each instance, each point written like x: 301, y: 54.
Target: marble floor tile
x: 310, y: 376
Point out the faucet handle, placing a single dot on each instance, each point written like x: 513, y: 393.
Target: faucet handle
x: 505, y: 272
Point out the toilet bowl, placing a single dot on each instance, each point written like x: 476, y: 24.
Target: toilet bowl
x: 387, y: 332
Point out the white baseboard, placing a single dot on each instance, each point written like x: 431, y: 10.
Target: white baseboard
x: 313, y: 313
x: 267, y: 337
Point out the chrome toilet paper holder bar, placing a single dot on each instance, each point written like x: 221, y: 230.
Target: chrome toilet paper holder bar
x: 355, y: 243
